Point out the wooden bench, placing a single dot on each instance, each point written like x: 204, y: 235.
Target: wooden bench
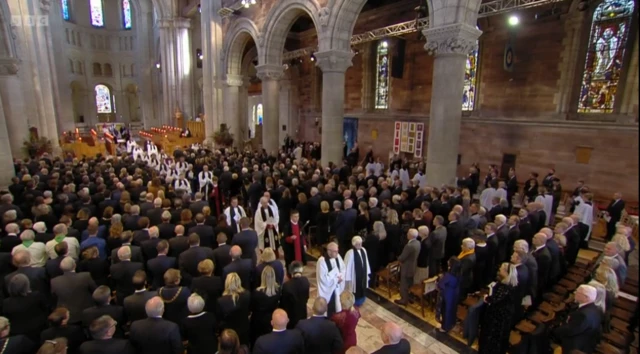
x: 390, y: 276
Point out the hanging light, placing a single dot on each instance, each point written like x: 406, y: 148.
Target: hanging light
x: 247, y: 3
x: 157, y: 65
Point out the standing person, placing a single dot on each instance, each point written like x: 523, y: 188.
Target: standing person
x: 408, y: 262
x: 320, y: 334
x: 391, y: 335
x: 358, y: 270
x: 295, y: 245
x: 435, y: 244
x: 295, y: 295
x: 347, y: 321
x: 330, y: 276
x: 266, y: 224
x: 234, y: 307
x: 280, y: 340
x: 264, y: 300
x: 234, y: 213
x: 448, y: 291
x: 614, y: 214
x: 496, y: 327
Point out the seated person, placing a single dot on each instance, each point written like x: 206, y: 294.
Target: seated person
x: 186, y: 133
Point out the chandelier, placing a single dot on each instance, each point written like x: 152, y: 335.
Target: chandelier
x: 247, y: 3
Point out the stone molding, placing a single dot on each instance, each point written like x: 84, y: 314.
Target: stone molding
x: 9, y: 66
x: 270, y: 72
x: 45, y: 6
x: 177, y: 22
x: 459, y: 38
x: 334, y: 60
x: 235, y: 80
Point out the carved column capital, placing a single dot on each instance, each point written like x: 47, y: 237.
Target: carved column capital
x: 270, y: 72
x: 8, y: 66
x: 459, y: 38
x: 235, y: 80
x: 334, y: 60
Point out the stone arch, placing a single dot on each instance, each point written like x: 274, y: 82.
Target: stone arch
x: 251, y: 55
x: 241, y: 31
x: 278, y: 23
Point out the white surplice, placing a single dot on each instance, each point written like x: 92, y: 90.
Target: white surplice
x: 547, y: 202
x: 486, y: 197
x: 261, y: 227
x: 238, y: 214
x: 328, y: 280
x: 351, y: 270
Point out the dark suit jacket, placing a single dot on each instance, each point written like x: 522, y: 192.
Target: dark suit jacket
x: 116, y: 312
x: 543, y: 259
x: 75, y: 292
x: 148, y: 247
x: 513, y: 234
x: 503, y: 242
x: 167, y: 231
x: 615, y: 211
x: 409, y: 258
x: 136, y: 254
x: 140, y: 236
x: 435, y: 243
x: 244, y: 268
x: 467, y: 264
x: 573, y: 244
x: 207, y: 238
x: 402, y: 347
x: 37, y: 278
x: 556, y: 260
x: 134, y: 305
x: 18, y: 345
x: 156, y: 268
x: 52, y: 267
x: 582, y: 330
x: 248, y: 242
x: 196, y: 207
x: 455, y: 234
x: 155, y: 336
x: 177, y: 245
x: 295, y: 295
x: 131, y: 222
x: 320, y: 335
x: 122, y: 277
x: 345, y: 222
x: 210, y: 288
x: 526, y: 230
x: 188, y: 262
x: 221, y: 259
x: 288, y: 341
x: 107, y: 346
x: 155, y: 216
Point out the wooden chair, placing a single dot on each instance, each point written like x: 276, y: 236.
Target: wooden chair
x: 617, y: 339
x: 553, y: 298
x: 390, y: 275
x: 568, y: 284
x: 417, y: 290
x: 425, y: 288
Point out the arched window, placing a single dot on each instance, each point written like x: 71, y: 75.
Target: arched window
x: 470, y: 81
x: 95, y: 7
x: 259, y: 113
x: 103, y: 99
x: 382, y: 75
x: 603, y: 64
x: 65, y: 10
x: 126, y: 14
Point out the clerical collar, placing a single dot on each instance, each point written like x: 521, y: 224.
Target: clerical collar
x: 140, y: 291
x: 583, y: 305
x: 489, y: 235
x: 198, y: 315
x: 221, y: 244
x: 540, y: 247
x: 279, y: 330
x: 511, y: 226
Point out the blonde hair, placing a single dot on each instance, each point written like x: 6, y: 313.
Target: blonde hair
x: 205, y: 267
x: 392, y: 217
x: 267, y: 255
x: 324, y: 206
x: 172, y: 277
x: 622, y: 241
x: 607, y: 277
x: 233, y: 286
x: 347, y: 300
x: 512, y: 274
x: 268, y: 284
x: 379, y: 230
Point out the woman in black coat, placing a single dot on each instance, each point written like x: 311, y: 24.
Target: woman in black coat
x: 284, y: 208
x: 234, y: 307
x: 26, y: 310
x: 323, y: 224
x: 264, y: 300
x: 303, y: 208
x: 96, y: 266
x: 499, y: 312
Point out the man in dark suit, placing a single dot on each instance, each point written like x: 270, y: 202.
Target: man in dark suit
x: 52, y: 266
x: 107, y: 202
x: 143, y: 233
x: 543, y: 259
x: 122, y: 274
x: 467, y: 264
x: 73, y: 290
x: 295, y: 295
x: 102, y: 331
x: 523, y: 286
x: 344, y: 226
x: 136, y: 251
x: 221, y: 256
x: 614, y: 212
x: 513, y: 233
x: 239, y: 265
x: 572, y: 233
x: 436, y: 245
x: 247, y: 240
x: 455, y: 234
x: 391, y: 335
x: 320, y: 334
x: 159, y: 265
x: 408, y: 262
x: 525, y: 226
x: 131, y: 222
x: 207, y: 236
x: 281, y: 340
x: 166, y: 228
x: 11, y: 238
x: 512, y: 186
x: 155, y: 334
x: 582, y: 330
x: 189, y: 259
x: 37, y: 275
x: 102, y: 298
x: 147, y: 204
x: 134, y: 303
x: 179, y: 243
x: 155, y: 214
x: 502, y: 232
x: 149, y: 246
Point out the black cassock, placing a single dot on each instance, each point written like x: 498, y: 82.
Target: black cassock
x: 360, y: 269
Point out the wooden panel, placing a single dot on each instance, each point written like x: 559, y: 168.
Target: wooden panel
x: 583, y: 154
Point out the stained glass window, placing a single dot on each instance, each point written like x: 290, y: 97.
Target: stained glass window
x: 609, y: 31
x: 97, y: 18
x: 470, y: 80
x: 65, y: 9
x: 382, y: 75
x: 126, y: 13
x: 103, y: 99
x: 259, y: 113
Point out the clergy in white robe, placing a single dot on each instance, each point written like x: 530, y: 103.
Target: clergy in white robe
x: 234, y: 213
x: 182, y: 166
x: 205, y: 181
x: 330, y: 276
x: 182, y: 185
x: 585, y: 210
x: 358, y: 270
x: 404, y: 177
x: 266, y: 225
x: 131, y: 144
x: 272, y: 204
x: 486, y: 197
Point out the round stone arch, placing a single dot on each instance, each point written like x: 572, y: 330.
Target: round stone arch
x: 235, y: 41
x: 278, y: 23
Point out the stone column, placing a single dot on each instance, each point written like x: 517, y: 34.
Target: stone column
x: 334, y: 64
x: 6, y: 159
x: 243, y: 100
x: 451, y: 44
x: 212, y: 69
x: 184, y: 66
x: 285, y: 110
x: 270, y: 76
x: 13, y: 105
x: 232, y: 106
x: 176, y: 67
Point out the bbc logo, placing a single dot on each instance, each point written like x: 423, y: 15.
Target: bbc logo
x: 30, y: 21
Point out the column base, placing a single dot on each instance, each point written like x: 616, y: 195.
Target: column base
x: 441, y: 173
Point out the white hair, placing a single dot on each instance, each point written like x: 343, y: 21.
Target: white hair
x: 501, y: 218
x: 356, y: 240
x: 40, y: 227
x: 469, y: 243
x: 521, y: 245
x: 589, y: 292
x: 27, y: 235
x: 195, y: 303
x: 373, y: 202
